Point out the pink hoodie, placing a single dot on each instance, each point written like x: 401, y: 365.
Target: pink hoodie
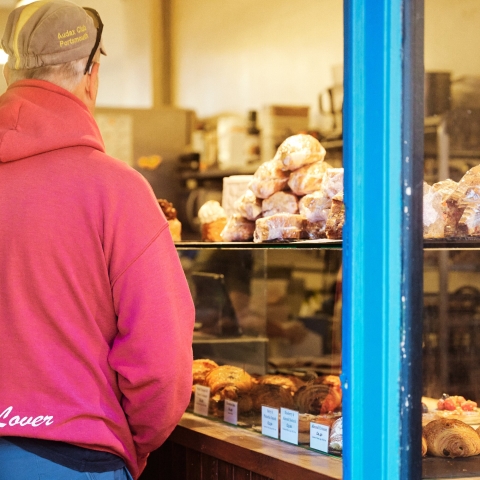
x: 96, y: 317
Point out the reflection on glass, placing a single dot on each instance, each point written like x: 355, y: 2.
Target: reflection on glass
x: 268, y: 333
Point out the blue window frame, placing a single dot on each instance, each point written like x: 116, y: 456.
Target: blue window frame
x: 382, y: 245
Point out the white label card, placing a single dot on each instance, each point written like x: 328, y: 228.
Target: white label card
x: 319, y: 435
x: 270, y: 421
x: 201, y: 400
x: 230, y: 412
x: 289, y: 426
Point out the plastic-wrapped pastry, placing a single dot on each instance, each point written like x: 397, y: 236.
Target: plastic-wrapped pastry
x: 466, y: 194
x: 212, y: 220
x: 308, y: 179
x: 280, y: 202
x: 332, y: 183
x: 274, y: 396
x: 228, y: 381
x: 281, y: 226
x: 315, y: 230
x: 174, y: 224
x: 299, y: 150
x: 315, y: 206
x: 268, y: 179
x: 238, y: 229
x: 434, y: 207
x: 336, y: 435
x: 451, y: 438
x: 248, y: 206
x: 288, y: 382
x: 336, y: 218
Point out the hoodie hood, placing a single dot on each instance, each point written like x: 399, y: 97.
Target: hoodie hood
x: 38, y: 117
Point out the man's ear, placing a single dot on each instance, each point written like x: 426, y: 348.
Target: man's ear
x: 92, y: 81
x: 6, y: 71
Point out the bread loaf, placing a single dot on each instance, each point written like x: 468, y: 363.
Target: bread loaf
x: 281, y: 226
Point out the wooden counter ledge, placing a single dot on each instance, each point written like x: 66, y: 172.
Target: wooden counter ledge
x: 201, y: 449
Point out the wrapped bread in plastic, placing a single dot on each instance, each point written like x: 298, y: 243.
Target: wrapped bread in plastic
x: 315, y: 206
x: 466, y: 194
x: 316, y: 230
x: 336, y: 218
x: 280, y: 202
x: 268, y: 179
x: 299, y: 150
x: 332, y: 183
x: 336, y: 435
x: 248, y: 206
x: 308, y: 179
x: 281, y: 226
x: 238, y: 229
x: 212, y: 220
x: 434, y: 207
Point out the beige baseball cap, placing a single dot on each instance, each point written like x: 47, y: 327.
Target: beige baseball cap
x: 51, y: 32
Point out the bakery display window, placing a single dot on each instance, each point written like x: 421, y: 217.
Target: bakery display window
x: 267, y: 338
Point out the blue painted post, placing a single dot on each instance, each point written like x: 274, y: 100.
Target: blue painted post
x: 381, y: 237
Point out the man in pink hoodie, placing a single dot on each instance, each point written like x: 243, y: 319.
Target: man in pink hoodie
x: 96, y: 317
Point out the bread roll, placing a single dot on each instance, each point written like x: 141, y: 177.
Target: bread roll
x: 238, y: 229
x: 336, y: 218
x: 451, y: 438
x: 280, y: 202
x: 299, y: 150
x: 308, y: 179
x: 268, y: 179
x: 281, y: 226
x: 248, y: 206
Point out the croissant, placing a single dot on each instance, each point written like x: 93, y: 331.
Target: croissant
x: 273, y: 396
x: 310, y: 397
x: 333, y: 400
x: 424, y: 445
x: 200, y: 369
x: 289, y: 382
x: 451, y: 438
x: 228, y: 381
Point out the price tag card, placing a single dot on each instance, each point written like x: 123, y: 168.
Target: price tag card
x: 319, y: 435
x: 270, y: 421
x: 230, y: 412
x: 289, y: 426
x: 201, y: 400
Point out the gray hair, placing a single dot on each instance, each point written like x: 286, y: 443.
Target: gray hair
x: 65, y: 75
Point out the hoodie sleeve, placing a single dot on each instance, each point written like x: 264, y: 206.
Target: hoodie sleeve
x: 152, y: 352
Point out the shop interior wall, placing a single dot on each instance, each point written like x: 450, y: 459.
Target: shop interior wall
x: 235, y: 56
x: 241, y: 55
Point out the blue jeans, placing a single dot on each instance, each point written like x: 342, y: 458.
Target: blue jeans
x: 17, y: 464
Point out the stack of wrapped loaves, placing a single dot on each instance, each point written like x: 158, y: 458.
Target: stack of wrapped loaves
x: 296, y: 195
x: 452, y: 209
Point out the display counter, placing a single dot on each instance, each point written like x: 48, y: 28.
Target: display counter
x: 201, y: 449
